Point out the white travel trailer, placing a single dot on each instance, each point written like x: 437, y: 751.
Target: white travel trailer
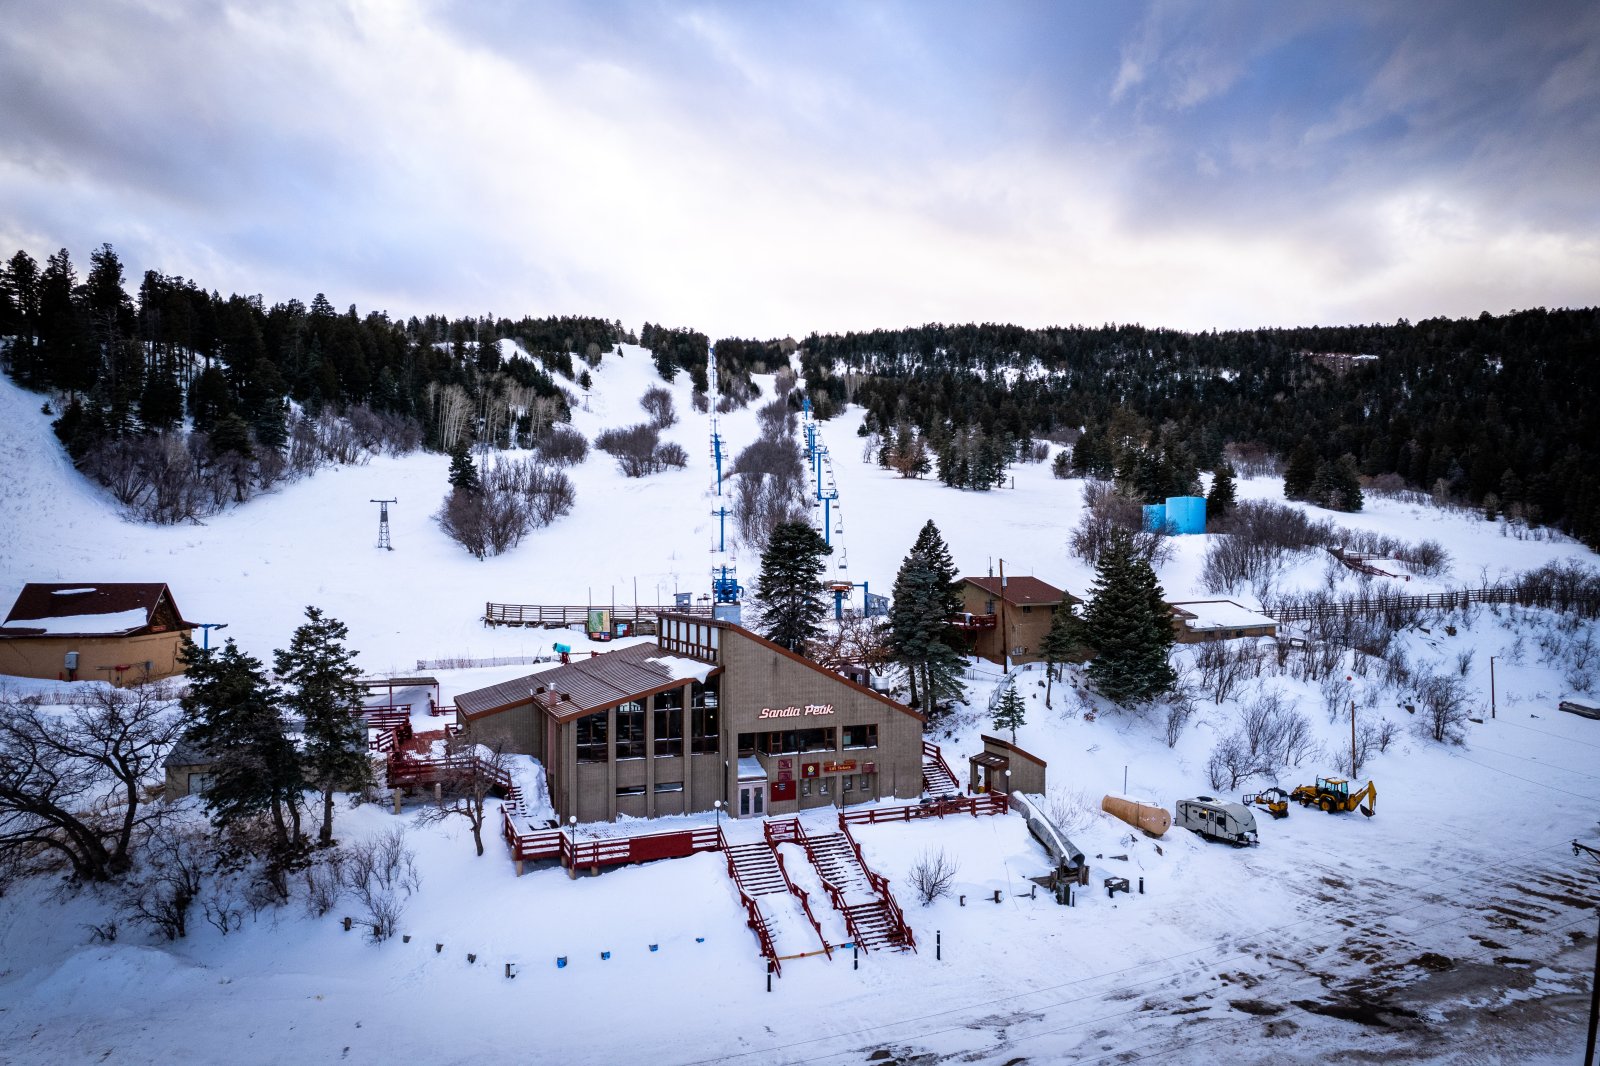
x: 1231, y: 823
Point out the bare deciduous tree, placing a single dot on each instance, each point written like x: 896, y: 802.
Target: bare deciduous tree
x: 73, y: 780
x: 933, y: 874
x: 1444, y: 708
x: 382, y: 873
x: 167, y: 883
x: 657, y: 403
x: 475, y: 772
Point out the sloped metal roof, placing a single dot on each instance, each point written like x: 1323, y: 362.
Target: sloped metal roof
x: 1023, y: 591
x: 39, y: 601
x: 581, y: 687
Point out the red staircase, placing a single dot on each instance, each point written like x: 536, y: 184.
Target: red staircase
x: 863, y: 897
x: 757, y: 870
x: 937, y: 779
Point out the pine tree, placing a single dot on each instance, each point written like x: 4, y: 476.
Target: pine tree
x: 463, y: 475
x: 1301, y: 471
x: 1011, y: 712
x: 926, y: 596
x: 1058, y: 644
x: 323, y: 687
x: 1223, y: 495
x: 161, y: 402
x: 234, y: 716
x: 1129, y: 625
x: 788, y: 594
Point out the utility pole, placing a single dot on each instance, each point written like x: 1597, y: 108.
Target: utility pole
x: 1352, y: 743
x: 383, y: 523
x: 1594, y: 982
x: 1005, y: 639
x: 1492, y: 658
x: 1594, y: 1004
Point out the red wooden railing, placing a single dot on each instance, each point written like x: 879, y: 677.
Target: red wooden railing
x: 931, y: 751
x: 407, y: 770
x: 989, y: 803
x: 758, y: 924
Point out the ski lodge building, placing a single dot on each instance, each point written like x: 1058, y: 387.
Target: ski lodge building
x: 93, y: 632
x: 708, y: 712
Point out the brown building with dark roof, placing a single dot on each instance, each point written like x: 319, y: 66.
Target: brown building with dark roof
x: 1027, y: 605
x: 709, y: 712
x: 93, y: 632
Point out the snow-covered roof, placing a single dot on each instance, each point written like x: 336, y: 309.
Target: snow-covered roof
x: 1220, y: 614
x: 114, y: 622
x: 112, y: 609
x: 588, y: 685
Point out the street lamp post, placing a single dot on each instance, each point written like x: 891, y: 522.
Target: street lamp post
x: 718, y: 805
x: 1492, y: 658
x: 1008, y: 783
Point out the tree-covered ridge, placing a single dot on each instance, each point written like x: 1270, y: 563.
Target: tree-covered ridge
x: 137, y: 362
x: 1498, y: 412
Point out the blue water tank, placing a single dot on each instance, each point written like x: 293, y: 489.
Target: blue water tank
x: 1185, y: 514
x: 1155, y: 516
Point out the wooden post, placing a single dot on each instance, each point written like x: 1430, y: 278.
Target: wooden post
x: 397, y: 801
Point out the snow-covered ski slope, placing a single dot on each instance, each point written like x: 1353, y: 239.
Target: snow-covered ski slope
x: 1324, y: 941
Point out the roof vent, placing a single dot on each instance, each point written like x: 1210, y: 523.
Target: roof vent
x: 539, y: 691
x: 566, y: 697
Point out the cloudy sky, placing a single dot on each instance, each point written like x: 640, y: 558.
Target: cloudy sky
x: 763, y: 169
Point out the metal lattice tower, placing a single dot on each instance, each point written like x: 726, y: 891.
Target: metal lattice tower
x: 383, y: 523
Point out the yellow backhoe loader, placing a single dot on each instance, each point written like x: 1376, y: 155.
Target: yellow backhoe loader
x: 1333, y: 794
x: 1274, y: 800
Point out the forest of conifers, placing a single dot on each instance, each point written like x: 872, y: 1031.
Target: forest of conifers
x: 1496, y: 411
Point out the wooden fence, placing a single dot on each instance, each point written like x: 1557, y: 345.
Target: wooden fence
x: 1583, y: 600
x: 559, y: 616
x: 988, y: 803
x: 529, y: 844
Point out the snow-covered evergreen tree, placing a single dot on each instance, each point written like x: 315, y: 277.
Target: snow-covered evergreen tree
x: 926, y: 596
x: 323, y: 686
x: 788, y: 594
x: 1011, y: 712
x: 1129, y: 625
x: 234, y: 717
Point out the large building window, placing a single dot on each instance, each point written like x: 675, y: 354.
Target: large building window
x: 861, y: 736
x: 630, y: 731
x: 592, y: 738
x: 816, y: 739
x: 669, y: 731
x: 705, y: 731
x: 778, y: 742
x: 747, y: 744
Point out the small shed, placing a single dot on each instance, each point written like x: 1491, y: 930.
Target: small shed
x: 1197, y: 621
x: 86, y: 631
x: 987, y: 769
x: 189, y: 768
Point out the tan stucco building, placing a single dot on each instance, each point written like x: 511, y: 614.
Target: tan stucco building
x: 1021, y: 608
x: 708, y: 712
x: 93, y: 632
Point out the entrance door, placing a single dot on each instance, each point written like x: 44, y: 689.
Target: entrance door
x: 752, y: 799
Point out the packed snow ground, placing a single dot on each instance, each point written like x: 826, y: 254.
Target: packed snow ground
x: 1248, y: 955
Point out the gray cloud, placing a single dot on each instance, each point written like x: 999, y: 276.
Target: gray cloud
x: 764, y: 170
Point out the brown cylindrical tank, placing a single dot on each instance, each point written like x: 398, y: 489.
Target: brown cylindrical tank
x: 1147, y: 816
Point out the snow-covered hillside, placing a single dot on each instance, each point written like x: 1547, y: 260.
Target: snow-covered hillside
x: 1453, y: 915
